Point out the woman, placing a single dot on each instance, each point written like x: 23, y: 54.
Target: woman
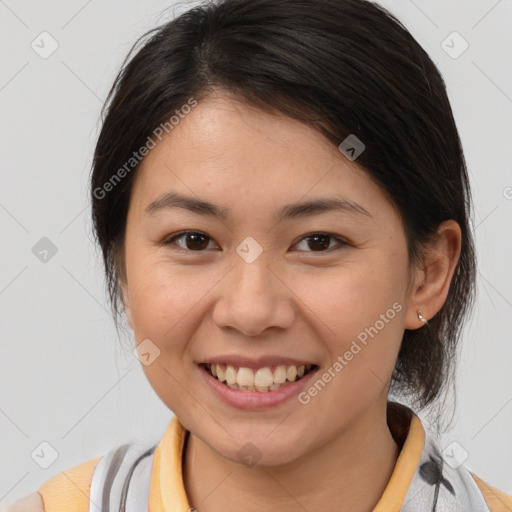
x: 282, y: 202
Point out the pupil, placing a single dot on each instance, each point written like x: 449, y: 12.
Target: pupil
x: 320, y: 246
x: 196, y: 237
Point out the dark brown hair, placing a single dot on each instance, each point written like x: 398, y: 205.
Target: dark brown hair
x: 342, y: 66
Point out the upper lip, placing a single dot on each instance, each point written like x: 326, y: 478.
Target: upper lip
x: 259, y: 362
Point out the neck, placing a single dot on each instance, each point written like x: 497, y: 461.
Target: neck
x: 348, y: 473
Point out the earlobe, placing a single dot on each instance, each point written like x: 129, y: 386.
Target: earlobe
x: 440, y: 261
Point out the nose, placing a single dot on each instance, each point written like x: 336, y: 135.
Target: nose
x: 253, y: 297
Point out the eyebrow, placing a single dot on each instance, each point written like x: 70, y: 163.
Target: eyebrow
x: 290, y: 211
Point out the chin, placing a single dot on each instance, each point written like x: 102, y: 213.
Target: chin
x: 255, y: 447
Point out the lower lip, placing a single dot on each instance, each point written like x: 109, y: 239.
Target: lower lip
x: 255, y: 399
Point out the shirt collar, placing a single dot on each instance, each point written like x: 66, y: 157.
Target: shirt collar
x: 167, y: 489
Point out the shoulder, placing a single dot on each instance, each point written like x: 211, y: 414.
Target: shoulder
x: 67, y: 490
x: 497, y: 501
x: 31, y: 503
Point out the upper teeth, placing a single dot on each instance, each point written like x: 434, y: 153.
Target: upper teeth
x: 262, y: 379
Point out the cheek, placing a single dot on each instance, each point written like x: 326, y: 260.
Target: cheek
x: 359, y: 313
x: 163, y: 302
x: 161, y: 299
x: 360, y: 320
x: 344, y: 300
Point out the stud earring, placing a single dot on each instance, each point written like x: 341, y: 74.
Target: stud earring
x: 422, y: 318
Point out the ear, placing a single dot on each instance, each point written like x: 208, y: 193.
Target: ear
x: 126, y: 303
x: 433, y: 279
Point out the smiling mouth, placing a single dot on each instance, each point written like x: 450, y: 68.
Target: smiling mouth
x: 263, y: 379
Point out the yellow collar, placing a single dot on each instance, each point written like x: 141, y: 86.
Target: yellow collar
x: 167, y: 490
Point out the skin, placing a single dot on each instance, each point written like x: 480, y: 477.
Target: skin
x: 337, y: 451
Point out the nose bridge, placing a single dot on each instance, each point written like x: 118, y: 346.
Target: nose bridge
x: 253, y: 298
x: 253, y: 270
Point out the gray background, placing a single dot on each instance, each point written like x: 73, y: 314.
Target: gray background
x: 65, y: 378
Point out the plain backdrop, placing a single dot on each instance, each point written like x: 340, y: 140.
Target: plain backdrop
x: 65, y: 378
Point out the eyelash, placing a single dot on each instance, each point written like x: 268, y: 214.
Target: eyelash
x: 170, y: 240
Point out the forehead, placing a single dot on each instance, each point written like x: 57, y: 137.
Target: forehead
x: 227, y: 148
x: 221, y: 129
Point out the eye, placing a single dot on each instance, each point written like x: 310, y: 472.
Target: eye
x: 193, y: 240
x: 321, y: 242
x: 196, y: 241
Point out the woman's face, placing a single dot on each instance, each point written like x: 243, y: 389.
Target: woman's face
x: 265, y: 284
